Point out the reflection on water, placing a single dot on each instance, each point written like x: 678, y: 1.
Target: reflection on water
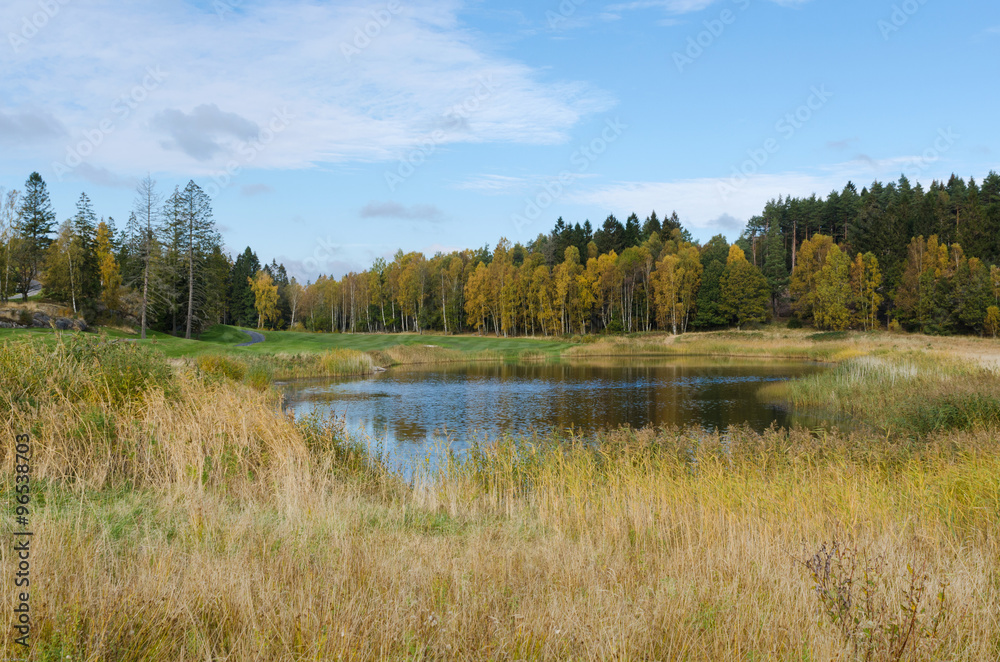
x: 409, y: 407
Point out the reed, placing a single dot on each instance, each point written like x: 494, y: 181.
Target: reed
x: 911, y: 394
x: 184, y: 517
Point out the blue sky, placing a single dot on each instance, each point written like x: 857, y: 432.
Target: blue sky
x: 332, y: 133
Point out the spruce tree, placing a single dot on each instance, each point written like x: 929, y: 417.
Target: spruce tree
x: 85, y: 235
x: 35, y: 223
x: 241, y: 296
x: 775, y: 269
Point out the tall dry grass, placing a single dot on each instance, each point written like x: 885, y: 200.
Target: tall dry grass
x: 205, y: 525
x: 909, y: 394
x: 425, y: 354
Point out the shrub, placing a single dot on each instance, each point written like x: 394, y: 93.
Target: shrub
x: 878, y: 618
x: 79, y: 368
x: 223, y: 366
x: 828, y: 336
x: 795, y: 323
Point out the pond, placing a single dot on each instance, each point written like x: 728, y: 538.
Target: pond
x: 410, y: 408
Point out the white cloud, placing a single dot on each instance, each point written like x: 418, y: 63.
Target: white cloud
x: 685, y: 6
x: 225, y: 76
x: 490, y: 184
x: 672, y: 6
x: 396, y: 210
x: 709, y: 205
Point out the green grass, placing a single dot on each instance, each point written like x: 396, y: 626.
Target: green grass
x: 296, y: 342
x: 226, y: 338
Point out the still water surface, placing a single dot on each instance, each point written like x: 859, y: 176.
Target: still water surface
x: 409, y: 408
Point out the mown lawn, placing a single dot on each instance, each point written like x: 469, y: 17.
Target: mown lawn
x: 226, y: 338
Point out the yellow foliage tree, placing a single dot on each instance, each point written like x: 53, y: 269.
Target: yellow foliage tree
x: 111, y: 280
x: 809, y: 263
x: 265, y: 294
x: 866, y: 278
x: 832, y: 298
x: 992, y: 322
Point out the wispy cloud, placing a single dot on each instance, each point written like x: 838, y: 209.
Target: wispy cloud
x: 251, y: 190
x: 491, y: 184
x: 28, y: 126
x: 841, y: 144
x: 396, y: 210
x: 200, y: 133
x: 672, y: 6
x: 226, y: 75
x: 103, y: 177
x: 684, y: 6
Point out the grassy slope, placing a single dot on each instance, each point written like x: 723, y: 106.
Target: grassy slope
x: 225, y: 338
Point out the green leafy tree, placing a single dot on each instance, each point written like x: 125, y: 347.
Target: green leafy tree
x: 709, y: 304
x: 62, y: 275
x: 831, y: 304
x: 866, y: 282
x: 745, y: 293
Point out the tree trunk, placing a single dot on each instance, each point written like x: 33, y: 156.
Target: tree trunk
x: 190, y: 310
x: 72, y: 288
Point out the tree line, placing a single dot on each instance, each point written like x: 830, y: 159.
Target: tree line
x: 890, y: 255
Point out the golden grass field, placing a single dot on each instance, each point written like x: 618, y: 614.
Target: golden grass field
x: 177, y: 515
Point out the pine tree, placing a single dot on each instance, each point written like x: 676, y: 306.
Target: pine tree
x: 200, y: 238
x: 85, y: 234
x: 241, y: 298
x: 142, y: 231
x: 652, y: 225
x: 775, y: 269
x: 633, y: 232
x: 36, y: 219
